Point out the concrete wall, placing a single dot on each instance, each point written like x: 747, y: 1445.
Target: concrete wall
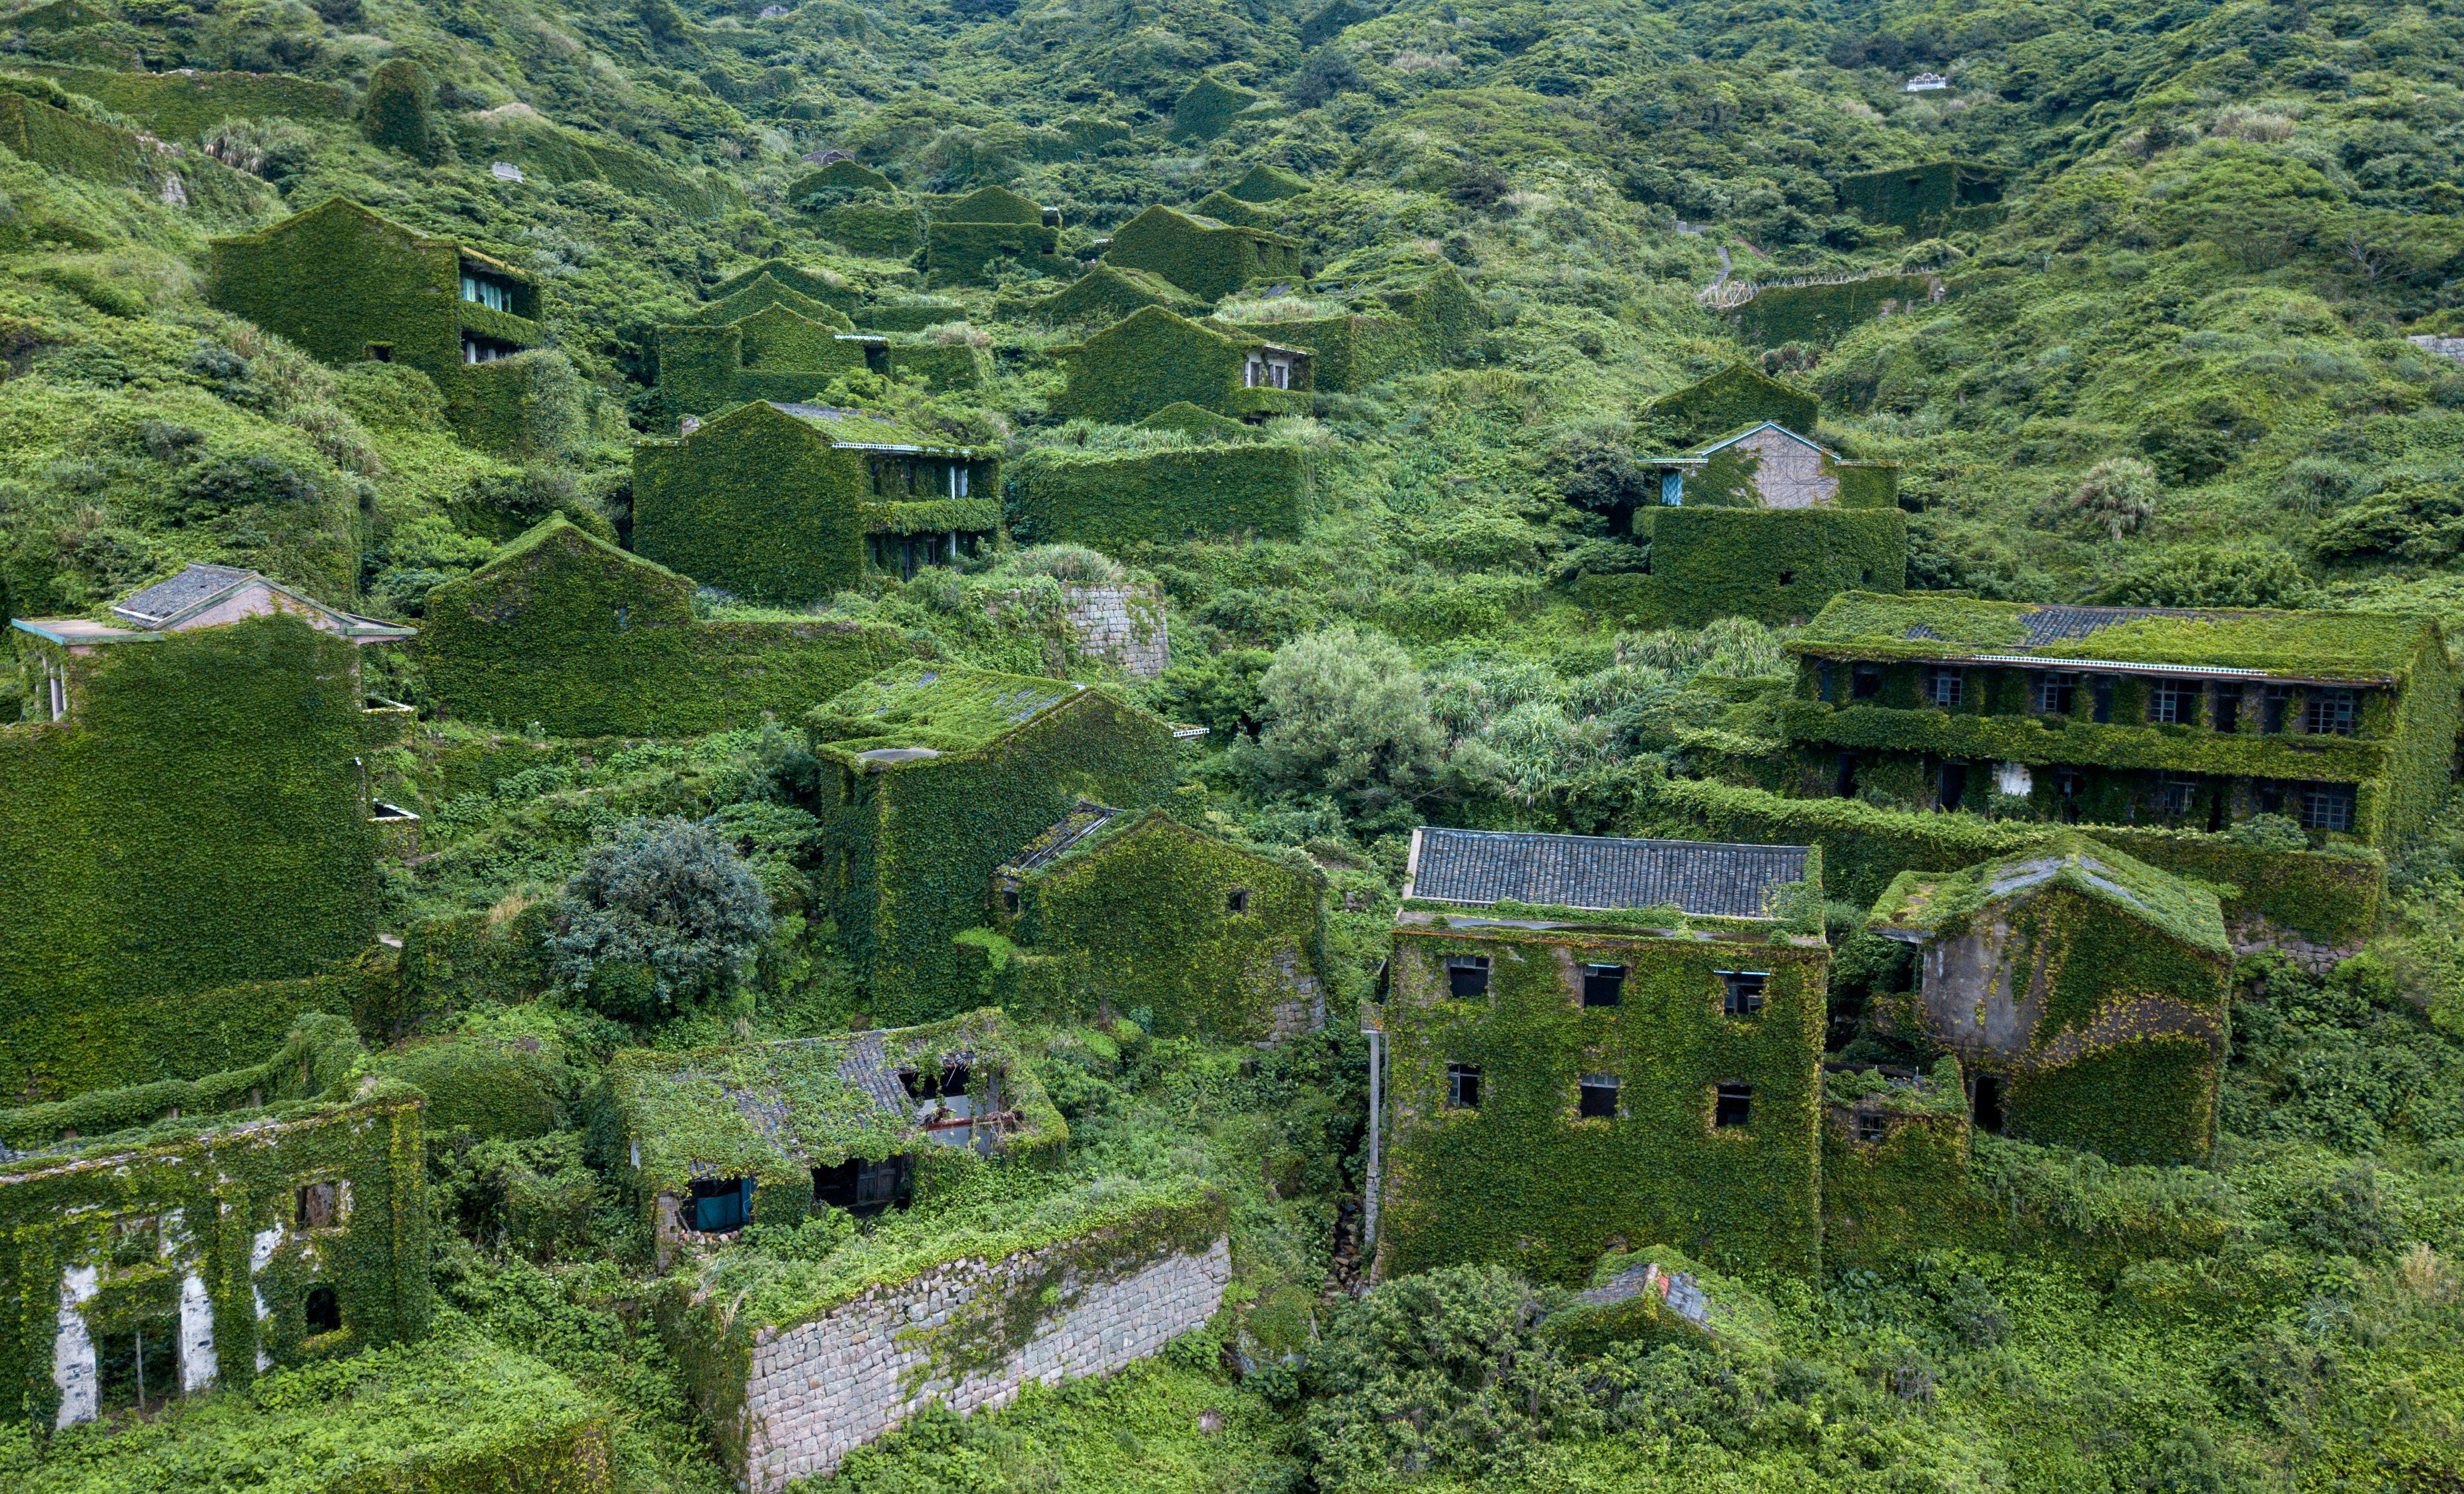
x: 825, y: 1387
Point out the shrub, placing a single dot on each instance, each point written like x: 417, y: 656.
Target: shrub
x: 661, y: 917
x: 399, y: 113
x: 2407, y: 520
x: 1347, y: 713
x: 2118, y: 495
x: 2211, y: 579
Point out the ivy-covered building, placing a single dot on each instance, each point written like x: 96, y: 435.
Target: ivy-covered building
x: 1398, y: 319
x: 1737, y: 398
x: 1143, y: 915
x: 766, y: 339
x: 158, y: 1241
x: 969, y: 235
x: 566, y: 629
x: 1153, y: 358
x: 789, y: 502
x: 2084, y: 994
x: 934, y: 775
x: 2344, y: 723
x: 1927, y: 201
x: 1207, y: 257
x: 1114, y: 499
x: 347, y: 286
x: 185, y: 810
x: 1600, y: 1044
x: 1107, y: 293
x: 773, y: 1132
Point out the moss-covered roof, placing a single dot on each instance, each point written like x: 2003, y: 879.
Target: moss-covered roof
x: 558, y: 528
x: 857, y: 428
x: 343, y: 205
x: 2357, y: 646
x: 920, y: 711
x: 1269, y: 183
x: 1929, y: 905
x: 772, y: 1109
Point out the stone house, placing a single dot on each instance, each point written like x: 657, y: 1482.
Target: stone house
x: 766, y: 339
x: 2084, y: 994
x: 2194, y: 718
x: 934, y: 775
x: 1207, y: 257
x: 160, y: 1241
x: 1153, y: 358
x: 1141, y: 915
x: 1598, y: 1043
x: 790, y: 502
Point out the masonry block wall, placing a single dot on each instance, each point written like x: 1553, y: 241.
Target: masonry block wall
x: 1122, y: 625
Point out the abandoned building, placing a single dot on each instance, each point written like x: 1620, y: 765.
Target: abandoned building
x: 967, y: 237
x: 1397, y: 319
x: 348, y: 285
x: 1207, y: 257
x: 2085, y: 996
x: 2192, y: 718
x: 787, y: 502
x: 1140, y: 914
x: 1594, y: 1041
x: 1107, y: 293
x: 1737, y: 398
x: 767, y: 341
x: 160, y: 1241
x: 937, y: 774
x: 1153, y: 358
x: 1927, y: 201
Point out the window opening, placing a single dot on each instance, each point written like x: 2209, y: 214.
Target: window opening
x: 380, y: 352
x: 1845, y: 784
x: 1871, y: 1127
x: 323, y: 1311
x: 2056, y: 692
x: 1826, y: 677
x: 1604, y: 985
x: 2327, y: 806
x: 2100, y: 696
x: 1985, y: 1104
x: 1745, y: 990
x: 1462, y: 1087
x: 2173, y: 703
x: 2272, y: 706
x: 2328, y: 712
x: 720, y: 1205
x: 1733, y: 1106
x: 488, y: 291
x: 1596, y: 1097
x: 2271, y: 799
x: 1945, y: 686
x: 1950, y: 785
x: 2070, y: 787
x: 865, y: 1188
x: 1866, y: 681
x: 2176, y: 793
x: 59, y: 696
x: 1009, y: 899
x: 1237, y: 901
x: 2228, y: 716
x: 1788, y: 577
x: 138, y: 1368
x: 317, y: 1207
x: 1467, y: 976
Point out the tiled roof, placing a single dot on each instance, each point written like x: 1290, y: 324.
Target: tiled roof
x: 2060, y: 625
x: 1698, y: 877
x: 1085, y: 818
x: 163, y: 601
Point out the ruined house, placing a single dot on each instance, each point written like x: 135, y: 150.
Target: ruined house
x: 967, y: 237
x: 1927, y: 201
x: 1153, y: 358
x: 1207, y: 257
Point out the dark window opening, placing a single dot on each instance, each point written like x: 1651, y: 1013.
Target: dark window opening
x: 138, y: 1368
x: 2274, y: 705
x: 315, y: 1207
x: 380, y: 352
x: 1009, y: 899
x: 2175, y: 794
x: 863, y: 1188
x: 1871, y: 1127
x: 2271, y: 799
x: 2100, y: 696
x: 1950, y: 785
x: 323, y: 1311
x: 954, y: 1078
x: 1945, y: 686
x: 1237, y: 901
x: 2056, y: 692
x: 1467, y: 977
x: 1462, y: 1087
x: 1733, y: 1106
x: 2326, y: 806
x: 624, y: 618
x: 1744, y: 988
x: 1788, y: 577
x: 1596, y: 1097
x: 1865, y: 683
x: 2328, y: 712
x: 1845, y: 784
x: 1985, y: 1104
x: 2173, y: 703
x: 1826, y: 678
x: 1866, y: 575
x: 2216, y: 811
x: 720, y: 1205
x: 1604, y: 985
x: 2228, y: 709
x: 2070, y: 788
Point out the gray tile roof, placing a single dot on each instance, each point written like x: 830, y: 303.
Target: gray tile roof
x: 1085, y: 818
x: 1698, y: 877
x: 166, y: 600
x: 2063, y: 624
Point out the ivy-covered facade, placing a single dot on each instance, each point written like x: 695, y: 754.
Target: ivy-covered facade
x: 1596, y: 1045
x: 2201, y: 719
x: 785, y: 503
x: 1207, y: 257
x: 349, y: 286
x: 1138, y: 914
x: 1927, y: 201
x: 1405, y: 319
x: 934, y: 775
x: 1115, y: 501
x: 158, y: 1241
x: 1153, y: 358
x: 970, y: 236
x: 2085, y: 995
x: 566, y: 631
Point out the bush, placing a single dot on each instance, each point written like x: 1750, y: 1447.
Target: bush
x: 399, y: 113
x: 2407, y: 520
x: 660, y: 918
x: 2211, y: 579
x: 1345, y: 713
x: 2118, y: 495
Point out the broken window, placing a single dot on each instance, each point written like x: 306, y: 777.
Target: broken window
x: 863, y: 1188
x: 1845, y: 781
x: 1871, y: 1127
x: 1604, y: 985
x: 138, y: 1367
x: 380, y: 352
x: 2101, y: 693
x: 2328, y: 712
x: 2056, y: 692
x: 2173, y: 703
x: 952, y: 1079
x: 1237, y: 901
x: 2274, y: 704
x: 1950, y: 785
x: 1596, y: 1097
x: 1865, y: 682
x: 1467, y: 976
x: 1985, y: 1104
x: 1732, y: 1105
x: 323, y: 1311
x: 1945, y: 686
x: 1009, y: 899
x: 720, y: 1205
x: 2228, y: 707
x: 2176, y: 793
x: 2326, y: 806
x: 1462, y: 1087
x: 317, y: 1206
x: 1745, y: 991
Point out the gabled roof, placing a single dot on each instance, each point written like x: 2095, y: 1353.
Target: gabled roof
x: 1714, y: 447
x: 1699, y: 878
x: 862, y: 430
x: 1264, y: 183
x: 2338, y: 647
x: 165, y: 606
x: 991, y: 205
x: 914, y: 712
x: 1162, y: 219
x: 1920, y: 905
x: 795, y: 277
x: 1152, y: 318
x: 343, y: 205
x: 761, y: 293
x: 557, y: 529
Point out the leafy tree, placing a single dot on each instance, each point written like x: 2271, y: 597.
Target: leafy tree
x: 1347, y: 713
x: 2211, y: 579
x: 2406, y: 520
x: 662, y: 918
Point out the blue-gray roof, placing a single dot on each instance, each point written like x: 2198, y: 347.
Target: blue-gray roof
x: 1702, y: 878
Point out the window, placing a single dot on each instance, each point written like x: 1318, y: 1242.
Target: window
x: 1872, y: 1127
x: 2328, y: 712
x: 2056, y: 692
x: 1733, y: 1105
x: 1237, y: 901
x: 2176, y: 793
x: 380, y: 352
x: 323, y: 1311
x: 2272, y: 705
x: 720, y: 1204
x: 485, y: 350
x: 1788, y: 577
x: 1743, y: 996
x: 1595, y: 1098
x: 1865, y: 682
x: 488, y: 291
x: 1009, y: 899
x: 1844, y: 783
x: 2228, y: 705
x: 1985, y: 1104
x: 1604, y: 985
x: 59, y: 696
x: 624, y: 618
x: 1268, y: 372
x: 317, y: 1206
x: 1826, y: 679
x: 1462, y: 1087
x: 2173, y: 703
x: 1950, y: 785
x: 863, y: 1188
x: 1945, y: 686
x: 1467, y: 976
x: 2070, y: 794
x: 138, y: 1366
x: 2326, y: 806
x: 957, y: 479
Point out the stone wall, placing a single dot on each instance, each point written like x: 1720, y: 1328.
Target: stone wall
x: 821, y: 1389
x: 1124, y: 625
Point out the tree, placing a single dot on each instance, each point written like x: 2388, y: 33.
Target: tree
x: 2211, y: 579
x: 661, y: 916
x: 2118, y: 495
x: 1345, y: 713
x: 400, y: 111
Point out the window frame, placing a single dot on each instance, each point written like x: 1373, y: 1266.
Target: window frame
x: 1461, y: 1080
x: 1736, y: 1093
x: 1610, y: 976
x: 1743, y: 993
x: 1589, y: 1085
